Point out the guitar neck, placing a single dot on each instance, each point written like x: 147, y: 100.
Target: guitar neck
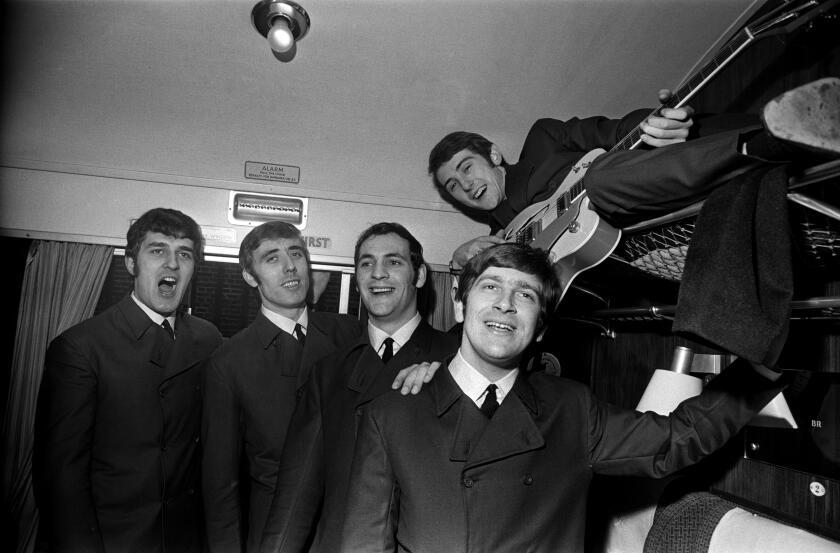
x: 692, y: 86
x: 785, y: 15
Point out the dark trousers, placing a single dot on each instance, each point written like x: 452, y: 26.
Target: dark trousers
x: 630, y: 186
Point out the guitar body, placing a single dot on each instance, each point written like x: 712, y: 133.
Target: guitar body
x: 600, y: 241
x: 566, y: 226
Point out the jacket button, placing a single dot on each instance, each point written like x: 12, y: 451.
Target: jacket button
x: 468, y: 482
x: 163, y: 447
x: 527, y: 479
x: 190, y: 491
x: 359, y: 412
x: 197, y: 439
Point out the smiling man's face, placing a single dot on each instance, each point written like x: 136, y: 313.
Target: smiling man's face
x: 500, y: 315
x: 280, y: 272
x: 472, y: 181
x: 386, y: 280
x: 162, y: 271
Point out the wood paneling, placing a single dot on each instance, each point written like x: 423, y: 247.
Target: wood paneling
x: 784, y: 494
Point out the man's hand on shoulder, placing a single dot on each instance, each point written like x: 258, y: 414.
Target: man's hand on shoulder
x: 412, y: 378
x: 671, y: 126
x: 465, y: 251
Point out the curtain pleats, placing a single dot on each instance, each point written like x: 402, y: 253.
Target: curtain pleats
x: 443, y: 315
x: 61, y: 285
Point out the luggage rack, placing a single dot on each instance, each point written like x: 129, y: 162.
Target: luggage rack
x: 817, y: 308
x: 659, y: 246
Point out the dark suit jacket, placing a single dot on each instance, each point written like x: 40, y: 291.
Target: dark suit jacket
x: 250, y: 394
x: 432, y: 474
x: 117, y: 436
x: 550, y: 150
x: 315, y: 465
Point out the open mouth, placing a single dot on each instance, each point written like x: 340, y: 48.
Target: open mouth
x: 500, y: 327
x: 291, y: 283
x: 480, y: 192
x: 167, y: 286
x: 380, y: 290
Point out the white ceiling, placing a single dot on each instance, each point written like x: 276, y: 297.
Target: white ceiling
x: 187, y: 88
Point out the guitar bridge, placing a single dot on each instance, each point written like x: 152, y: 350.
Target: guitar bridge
x: 528, y: 234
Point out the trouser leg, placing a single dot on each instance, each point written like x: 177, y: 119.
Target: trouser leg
x: 630, y: 186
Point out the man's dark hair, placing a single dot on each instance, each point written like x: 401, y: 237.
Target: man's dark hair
x: 415, y: 250
x: 522, y: 258
x: 169, y: 222
x: 453, y: 143
x: 273, y: 230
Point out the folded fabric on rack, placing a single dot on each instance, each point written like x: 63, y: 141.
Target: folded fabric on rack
x: 738, y: 279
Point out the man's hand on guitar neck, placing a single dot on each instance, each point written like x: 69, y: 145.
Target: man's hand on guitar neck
x: 465, y: 251
x: 671, y: 126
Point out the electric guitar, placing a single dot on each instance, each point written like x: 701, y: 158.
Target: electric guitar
x: 566, y: 226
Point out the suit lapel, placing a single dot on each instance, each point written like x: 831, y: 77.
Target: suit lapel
x: 371, y: 378
x: 369, y: 374
x: 183, y: 349
x: 187, y: 350
x: 317, y: 342
x: 266, y: 331
x: 453, y: 409
x: 172, y: 357
x: 512, y: 429
x: 145, y: 331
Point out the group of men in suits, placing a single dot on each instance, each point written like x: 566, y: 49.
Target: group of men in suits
x: 124, y: 448
x: 287, y: 431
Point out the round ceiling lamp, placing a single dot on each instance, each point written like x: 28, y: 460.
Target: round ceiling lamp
x: 283, y: 23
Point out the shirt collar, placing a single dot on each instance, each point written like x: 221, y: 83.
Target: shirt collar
x: 156, y: 317
x: 474, y: 384
x: 400, y: 337
x: 286, y: 324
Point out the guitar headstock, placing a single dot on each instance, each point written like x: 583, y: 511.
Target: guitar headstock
x: 790, y: 17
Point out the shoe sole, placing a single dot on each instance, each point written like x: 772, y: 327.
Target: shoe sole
x: 808, y: 116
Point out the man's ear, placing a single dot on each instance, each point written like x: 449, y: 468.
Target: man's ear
x: 495, y: 155
x: 456, y: 303
x: 249, y: 278
x: 129, y: 265
x: 421, y: 276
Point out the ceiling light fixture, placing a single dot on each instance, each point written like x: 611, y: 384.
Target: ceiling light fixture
x: 283, y: 23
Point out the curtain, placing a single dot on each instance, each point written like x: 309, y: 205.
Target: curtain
x: 442, y: 316
x: 61, y: 284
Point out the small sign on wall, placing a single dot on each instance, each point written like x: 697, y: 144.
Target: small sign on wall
x: 219, y: 234
x: 322, y: 242
x: 272, y: 172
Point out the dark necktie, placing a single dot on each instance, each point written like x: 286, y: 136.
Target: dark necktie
x: 168, y: 328
x: 299, y: 335
x: 490, y: 403
x: 388, y: 352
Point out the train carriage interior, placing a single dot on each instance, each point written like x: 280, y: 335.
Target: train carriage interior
x: 113, y: 107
